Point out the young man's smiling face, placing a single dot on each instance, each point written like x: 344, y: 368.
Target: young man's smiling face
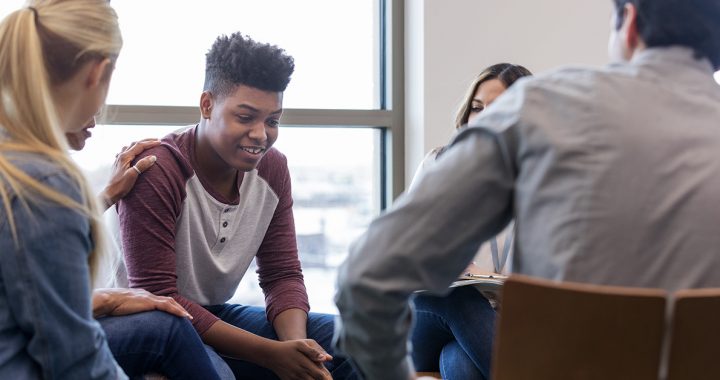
x: 242, y: 125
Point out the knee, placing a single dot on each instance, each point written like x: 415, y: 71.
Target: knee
x: 159, y: 324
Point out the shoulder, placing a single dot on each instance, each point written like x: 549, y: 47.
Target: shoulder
x: 273, y: 165
x: 28, y: 205
x: 572, y: 81
x: 555, y: 94
x: 173, y: 158
x: 37, y: 166
x: 557, y: 80
x: 432, y: 155
x: 273, y: 169
x: 42, y: 169
x: 273, y: 158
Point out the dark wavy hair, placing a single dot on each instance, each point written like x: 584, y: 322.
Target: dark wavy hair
x: 507, y: 73
x: 239, y: 60
x: 690, y: 23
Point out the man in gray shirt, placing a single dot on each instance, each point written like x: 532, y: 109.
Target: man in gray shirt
x: 612, y: 175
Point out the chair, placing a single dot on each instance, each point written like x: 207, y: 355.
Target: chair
x: 551, y: 330
x: 695, y: 335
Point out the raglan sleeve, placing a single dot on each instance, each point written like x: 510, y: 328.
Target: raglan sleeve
x: 279, y: 270
x: 148, y: 217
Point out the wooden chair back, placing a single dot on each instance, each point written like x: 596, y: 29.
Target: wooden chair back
x: 695, y: 336
x: 563, y: 330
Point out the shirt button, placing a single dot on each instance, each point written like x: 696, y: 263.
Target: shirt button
x: 227, y: 210
x: 225, y: 224
x: 222, y: 240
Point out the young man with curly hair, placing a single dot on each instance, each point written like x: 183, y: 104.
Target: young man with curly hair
x: 219, y: 196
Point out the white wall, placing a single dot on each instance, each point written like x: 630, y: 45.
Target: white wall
x: 448, y: 42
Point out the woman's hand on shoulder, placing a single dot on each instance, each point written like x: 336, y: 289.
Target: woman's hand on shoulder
x: 124, y: 175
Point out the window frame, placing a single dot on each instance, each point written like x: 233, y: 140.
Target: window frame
x: 389, y: 118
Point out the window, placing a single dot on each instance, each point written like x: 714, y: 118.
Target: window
x: 342, y: 125
x: 334, y: 44
x: 335, y: 175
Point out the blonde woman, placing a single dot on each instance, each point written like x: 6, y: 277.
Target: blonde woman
x: 56, y: 61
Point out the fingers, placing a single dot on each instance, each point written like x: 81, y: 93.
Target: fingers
x: 129, y: 153
x: 140, y: 146
x: 144, y: 164
x: 314, y: 370
x: 314, y: 351
x: 169, y: 305
x: 324, y: 374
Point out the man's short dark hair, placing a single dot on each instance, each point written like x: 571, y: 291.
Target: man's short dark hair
x: 239, y: 60
x: 691, y: 23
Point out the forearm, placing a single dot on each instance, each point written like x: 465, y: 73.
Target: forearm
x: 291, y: 324
x: 376, y: 341
x: 237, y: 343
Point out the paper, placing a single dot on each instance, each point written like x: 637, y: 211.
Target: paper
x: 484, y: 282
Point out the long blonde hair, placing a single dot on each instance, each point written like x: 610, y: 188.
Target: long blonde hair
x: 44, y: 45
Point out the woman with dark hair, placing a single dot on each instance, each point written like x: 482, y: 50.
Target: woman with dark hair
x: 487, y: 86
x: 453, y: 334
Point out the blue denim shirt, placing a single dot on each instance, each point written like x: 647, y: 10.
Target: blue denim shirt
x: 46, y: 325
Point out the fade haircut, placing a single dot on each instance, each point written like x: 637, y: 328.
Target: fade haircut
x: 238, y: 60
x: 690, y: 23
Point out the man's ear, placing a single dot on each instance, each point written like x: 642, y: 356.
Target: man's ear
x: 206, y: 104
x: 629, y: 29
x: 99, y: 72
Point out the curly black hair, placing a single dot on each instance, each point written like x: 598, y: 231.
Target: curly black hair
x: 239, y: 60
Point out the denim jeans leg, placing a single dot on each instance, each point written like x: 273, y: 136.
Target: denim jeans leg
x: 466, y: 317
x: 429, y: 336
x: 253, y: 319
x: 455, y: 364
x: 156, y: 341
x: 221, y: 367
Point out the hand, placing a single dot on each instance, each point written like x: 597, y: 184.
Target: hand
x: 124, y: 175
x: 299, y: 359
x: 118, y: 301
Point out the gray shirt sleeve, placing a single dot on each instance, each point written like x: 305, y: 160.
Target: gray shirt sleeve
x: 423, y: 242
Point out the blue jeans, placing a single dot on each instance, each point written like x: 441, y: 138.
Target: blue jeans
x: 156, y: 341
x: 454, y: 334
x: 253, y: 319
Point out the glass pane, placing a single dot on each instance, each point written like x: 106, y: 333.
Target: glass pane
x: 336, y: 188
x: 8, y: 6
x: 717, y: 77
x: 334, y: 44
x: 97, y: 157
